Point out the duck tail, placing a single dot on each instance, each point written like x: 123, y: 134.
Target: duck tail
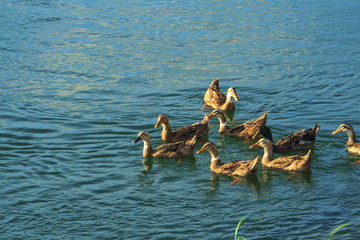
x: 205, y: 119
x: 215, y: 84
x: 191, y: 142
x: 256, y: 163
x: 316, y: 129
x: 308, y: 160
x: 310, y: 134
x: 261, y: 121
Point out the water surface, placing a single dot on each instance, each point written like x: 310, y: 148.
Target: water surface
x: 80, y: 79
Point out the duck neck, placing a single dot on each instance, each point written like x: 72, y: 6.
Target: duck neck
x: 351, y: 136
x: 229, y: 102
x: 215, y: 159
x: 223, y: 123
x: 267, y: 154
x: 148, y: 150
x: 166, y: 131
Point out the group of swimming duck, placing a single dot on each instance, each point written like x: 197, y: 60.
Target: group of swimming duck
x: 182, y: 141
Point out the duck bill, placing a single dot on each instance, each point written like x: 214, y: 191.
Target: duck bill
x: 256, y: 145
x: 200, y: 151
x: 236, y: 97
x: 137, y: 139
x: 157, y: 124
x: 336, y: 131
x: 211, y: 115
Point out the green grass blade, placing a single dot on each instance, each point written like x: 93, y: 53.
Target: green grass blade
x: 341, y: 226
x: 237, y: 228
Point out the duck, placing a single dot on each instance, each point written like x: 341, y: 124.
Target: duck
x: 234, y: 168
x: 352, y: 145
x: 289, y: 163
x: 200, y: 129
x: 247, y: 130
x: 169, y: 150
x: 297, y: 141
x: 217, y: 100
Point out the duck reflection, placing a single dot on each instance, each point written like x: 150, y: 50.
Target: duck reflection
x: 143, y: 178
x: 251, y: 181
x: 148, y: 165
x: 296, y: 177
x: 354, y: 156
x: 149, y: 161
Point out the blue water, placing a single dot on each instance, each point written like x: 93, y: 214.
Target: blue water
x: 80, y: 79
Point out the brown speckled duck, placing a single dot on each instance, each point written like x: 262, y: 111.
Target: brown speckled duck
x: 289, y: 163
x: 352, y: 144
x: 200, y: 129
x: 234, y: 168
x: 217, y: 100
x: 297, y: 141
x: 170, y: 150
x: 247, y: 130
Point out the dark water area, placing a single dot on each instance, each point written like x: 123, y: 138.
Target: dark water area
x: 80, y: 79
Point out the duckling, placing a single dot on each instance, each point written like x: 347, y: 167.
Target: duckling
x: 300, y: 140
x: 200, y: 129
x: 170, y: 150
x: 247, y: 130
x: 234, y: 168
x: 352, y: 145
x: 290, y: 163
x: 217, y: 100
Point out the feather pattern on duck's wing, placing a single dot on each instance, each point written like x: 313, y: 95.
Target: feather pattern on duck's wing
x: 251, y: 125
x: 355, y: 148
x: 216, y: 98
x: 288, y: 162
x: 168, y: 150
x: 299, y: 140
x: 230, y: 167
x: 310, y: 134
x: 213, y: 94
x: 202, y: 129
x: 261, y: 121
x: 294, y: 141
x: 245, y: 130
x: 184, y: 133
x: 237, y: 129
x: 294, y: 137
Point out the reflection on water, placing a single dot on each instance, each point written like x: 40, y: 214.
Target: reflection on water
x: 301, y: 177
x: 250, y: 181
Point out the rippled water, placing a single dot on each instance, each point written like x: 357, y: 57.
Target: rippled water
x: 80, y: 79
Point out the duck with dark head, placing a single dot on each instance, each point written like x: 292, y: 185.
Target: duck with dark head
x: 297, y: 141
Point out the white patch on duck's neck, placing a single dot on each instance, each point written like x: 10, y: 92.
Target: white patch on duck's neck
x: 229, y: 97
x: 225, y: 124
x: 147, y: 145
x: 215, y: 159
